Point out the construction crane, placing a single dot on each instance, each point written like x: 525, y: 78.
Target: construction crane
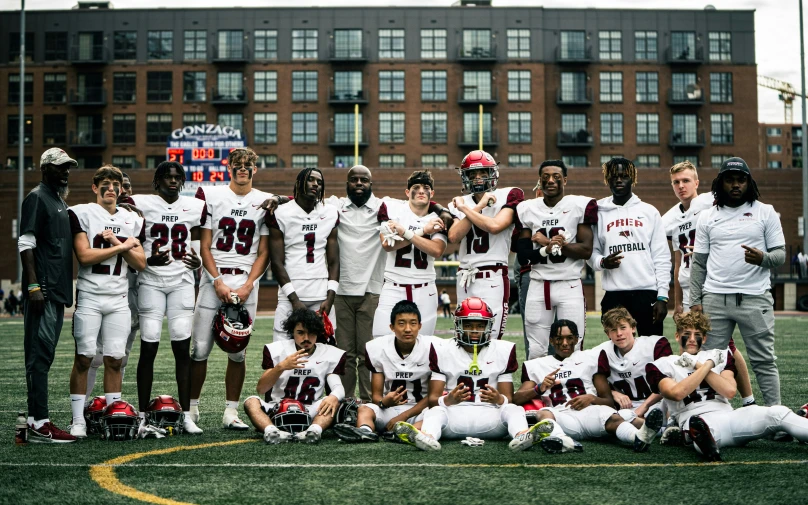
x: 787, y: 94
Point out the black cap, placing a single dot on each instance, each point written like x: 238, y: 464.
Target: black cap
x: 734, y: 164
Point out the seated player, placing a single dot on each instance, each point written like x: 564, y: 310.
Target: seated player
x: 628, y: 354
x: 697, y: 385
x: 399, y: 366
x: 576, y: 386
x: 464, y: 403
x: 298, y: 369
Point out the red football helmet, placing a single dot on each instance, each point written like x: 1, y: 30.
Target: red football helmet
x: 803, y: 411
x: 92, y: 414
x: 330, y: 339
x: 232, y: 327
x: 165, y: 412
x: 479, y: 160
x: 473, y: 309
x: 290, y: 415
x: 120, y: 421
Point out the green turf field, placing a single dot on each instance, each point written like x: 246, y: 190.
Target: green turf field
x: 333, y: 472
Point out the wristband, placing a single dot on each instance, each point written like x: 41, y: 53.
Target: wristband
x: 419, y: 232
x: 537, y: 390
x: 34, y: 290
x: 287, y: 289
x: 600, y: 263
x: 504, y: 401
x: 214, y: 279
x: 381, y: 404
x: 543, y: 252
x: 33, y: 286
x: 408, y: 235
x: 333, y: 285
x: 442, y: 401
x: 662, y: 299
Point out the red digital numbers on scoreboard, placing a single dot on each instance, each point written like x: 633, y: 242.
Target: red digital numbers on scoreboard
x: 197, y: 176
x: 217, y: 176
x: 204, y: 154
x: 177, y: 155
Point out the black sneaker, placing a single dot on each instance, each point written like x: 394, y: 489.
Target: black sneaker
x: 648, y: 432
x: 701, y: 436
x: 354, y: 435
x: 558, y: 445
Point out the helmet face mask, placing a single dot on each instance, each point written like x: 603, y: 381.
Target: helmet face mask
x: 232, y: 327
x: 92, y: 415
x: 120, y: 421
x: 348, y: 411
x: 469, y: 311
x: 291, y: 416
x: 166, y: 413
x: 476, y: 161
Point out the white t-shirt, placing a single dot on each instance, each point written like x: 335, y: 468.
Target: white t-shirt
x: 410, y: 265
x: 680, y: 227
x: 720, y: 233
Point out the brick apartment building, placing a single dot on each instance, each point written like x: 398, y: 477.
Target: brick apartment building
x: 579, y: 84
x: 780, y: 145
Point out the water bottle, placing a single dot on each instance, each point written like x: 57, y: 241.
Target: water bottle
x: 21, y: 431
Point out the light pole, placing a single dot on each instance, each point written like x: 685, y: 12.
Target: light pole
x: 20, y: 133
x: 804, y: 143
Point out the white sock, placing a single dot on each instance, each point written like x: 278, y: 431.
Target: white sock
x: 367, y: 428
x: 42, y: 422
x: 626, y: 433
x: 557, y: 430
x: 111, y: 397
x: 195, y: 403
x: 231, y: 405
x: 187, y: 415
x: 142, y: 415
x: 77, y: 406
x: 748, y: 400
x: 30, y: 420
x: 316, y: 428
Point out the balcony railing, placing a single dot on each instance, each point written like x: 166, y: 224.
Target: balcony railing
x: 474, y: 95
x: 344, y: 138
x: 94, y: 54
x: 228, y: 97
x: 580, y: 138
x: 89, y: 139
x: 348, y: 54
x: 690, y: 139
x: 471, y: 138
x: 477, y: 54
x: 685, y: 56
x: 240, y: 54
x: 681, y: 97
x: 573, y: 55
x: 88, y: 97
x: 574, y: 97
x: 338, y: 97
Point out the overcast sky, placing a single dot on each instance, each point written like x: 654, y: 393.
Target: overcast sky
x: 777, y: 40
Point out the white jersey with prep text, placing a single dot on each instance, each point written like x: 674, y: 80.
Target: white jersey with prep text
x: 236, y: 223
x: 720, y: 233
x: 480, y: 248
x: 168, y: 226
x: 574, y: 374
x: 410, y: 265
x: 703, y: 399
x: 411, y: 372
x: 680, y: 228
x: 450, y: 363
x: 306, y: 384
x: 627, y: 371
x: 567, y: 214
x: 109, y: 276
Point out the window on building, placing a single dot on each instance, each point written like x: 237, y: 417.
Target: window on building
x: 717, y: 159
x: 348, y: 44
x: 721, y: 129
x: 573, y: 45
x: 160, y: 45
x: 230, y: 86
x: 391, y: 127
x: 158, y: 128
x: 519, y: 85
x: 574, y: 161
x: 345, y: 129
x: 305, y: 161
x: 90, y: 47
x: 611, y: 128
x: 774, y: 132
x: 348, y: 85
x: 27, y: 162
x: 774, y: 164
x: 158, y: 86
x: 391, y: 160
x: 683, y: 45
x: 610, y: 43
x: 573, y: 124
x: 195, y: 45
x: 123, y: 128
x: 304, y: 128
x: 55, y: 46
x: 14, y: 88
x: 518, y: 43
x: 266, y: 45
x: 647, y: 160
x: 433, y: 44
x: 519, y: 127
x: 774, y: 149
x: 55, y: 88
x: 153, y: 161
x: 433, y: 85
x: 648, y: 128
x: 685, y: 128
x: 391, y: 44
x: 267, y: 161
x: 125, y: 162
x: 194, y: 86
x: 304, y: 86
x: 90, y: 87
x: 477, y: 43
x: 14, y: 47
x: 54, y: 129
x: 434, y: 160
x: 266, y: 86
x: 721, y: 87
x: 266, y: 128
x: 471, y: 128
x: 13, y: 129
x: 682, y: 83
x: 434, y: 127
x: 125, y: 45
x: 231, y: 45
x: 720, y: 44
x: 124, y: 87
x: 520, y: 160
x: 645, y: 46
x: 611, y: 87
x: 647, y: 87
x: 233, y: 120
x: 193, y: 119
x: 573, y: 86
x: 304, y: 44
x: 604, y: 158
x: 477, y: 85
x: 391, y: 86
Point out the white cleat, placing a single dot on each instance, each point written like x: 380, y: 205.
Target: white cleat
x: 654, y: 420
x: 190, y: 427
x: 532, y: 436
x: 308, y: 437
x: 78, y: 430
x: 411, y: 435
x: 277, y: 436
x: 231, y: 421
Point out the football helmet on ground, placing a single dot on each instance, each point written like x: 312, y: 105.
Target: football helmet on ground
x: 232, y: 327
x: 165, y: 412
x: 348, y: 411
x: 120, y: 421
x: 479, y: 160
x: 290, y: 415
x: 92, y: 415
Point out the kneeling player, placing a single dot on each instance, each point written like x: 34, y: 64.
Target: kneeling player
x: 399, y: 366
x: 575, y: 382
x: 696, y: 387
x: 461, y: 396
x: 298, y: 369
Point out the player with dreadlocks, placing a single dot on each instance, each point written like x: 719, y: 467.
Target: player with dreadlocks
x: 737, y: 242
x: 631, y: 249
x: 304, y: 251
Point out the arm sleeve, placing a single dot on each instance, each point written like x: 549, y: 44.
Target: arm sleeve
x: 597, y: 251
x: 27, y: 241
x: 774, y: 231
x: 335, y: 385
x: 661, y: 256
x: 773, y: 258
x: 698, y: 274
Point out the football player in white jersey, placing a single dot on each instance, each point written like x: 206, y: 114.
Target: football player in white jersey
x: 299, y: 368
x: 574, y: 383
x: 484, y: 220
x: 166, y: 286
x: 399, y: 367
x: 105, y: 240
x: 471, y: 388
x: 697, y: 386
x: 304, y: 251
x: 556, y: 239
x: 628, y: 354
x: 234, y: 245
x: 417, y: 237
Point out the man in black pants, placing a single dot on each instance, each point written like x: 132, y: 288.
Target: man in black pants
x: 46, y: 251
x: 631, y: 249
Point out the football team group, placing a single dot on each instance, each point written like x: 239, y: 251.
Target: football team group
x: 353, y: 347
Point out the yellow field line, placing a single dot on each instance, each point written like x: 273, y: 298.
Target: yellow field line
x: 104, y: 474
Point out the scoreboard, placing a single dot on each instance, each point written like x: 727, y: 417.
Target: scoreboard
x: 202, y: 150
